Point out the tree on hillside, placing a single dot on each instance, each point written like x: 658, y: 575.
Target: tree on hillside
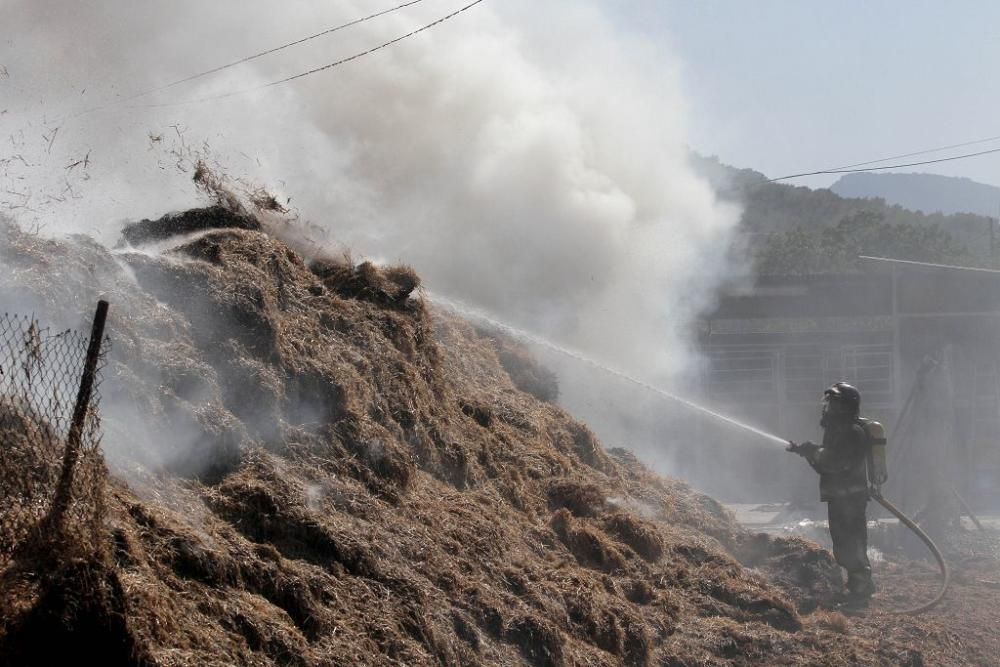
x: 836, y: 249
x: 794, y: 252
x: 795, y: 229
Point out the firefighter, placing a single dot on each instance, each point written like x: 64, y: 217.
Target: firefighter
x: 842, y: 462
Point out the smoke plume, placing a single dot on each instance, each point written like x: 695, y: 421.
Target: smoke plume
x: 526, y: 159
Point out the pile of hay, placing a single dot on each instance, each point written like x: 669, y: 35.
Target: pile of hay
x: 333, y: 474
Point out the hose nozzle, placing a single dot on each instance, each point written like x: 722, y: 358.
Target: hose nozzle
x: 805, y: 450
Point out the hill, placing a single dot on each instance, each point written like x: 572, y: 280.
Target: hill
x: 794, y: 229
x: 930, y: 193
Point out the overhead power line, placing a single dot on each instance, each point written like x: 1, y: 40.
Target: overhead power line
x: 923, y: 152
x: 373, y: 50
x: 122, y: 101
x: 276, y: 49
x: 323, y: 68
x: 891, y: 166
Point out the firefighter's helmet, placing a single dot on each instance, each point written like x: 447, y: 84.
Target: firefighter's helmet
x: 842, y: 400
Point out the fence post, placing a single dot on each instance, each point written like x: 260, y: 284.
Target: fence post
x: 80, y: 410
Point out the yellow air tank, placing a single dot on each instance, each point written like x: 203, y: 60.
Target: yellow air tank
x: 878, y: 471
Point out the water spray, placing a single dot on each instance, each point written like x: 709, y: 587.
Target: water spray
x: 875, y: 493
x: 520, y: 334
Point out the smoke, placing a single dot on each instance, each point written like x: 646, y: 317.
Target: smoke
x: 527, y: 159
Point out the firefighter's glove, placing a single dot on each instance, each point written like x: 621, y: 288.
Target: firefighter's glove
x: 806, y: 450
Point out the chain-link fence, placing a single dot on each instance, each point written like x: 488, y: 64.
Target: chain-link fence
x: 51, y: 471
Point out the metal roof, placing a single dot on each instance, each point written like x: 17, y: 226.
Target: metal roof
x: 909, y: 262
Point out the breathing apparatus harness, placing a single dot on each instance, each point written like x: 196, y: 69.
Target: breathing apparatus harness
x: 843, y: 397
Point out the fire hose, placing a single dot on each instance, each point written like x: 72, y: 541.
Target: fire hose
x: 808, y: 449
x: 918, y: 531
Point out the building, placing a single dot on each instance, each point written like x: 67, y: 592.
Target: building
x: 772, y: 348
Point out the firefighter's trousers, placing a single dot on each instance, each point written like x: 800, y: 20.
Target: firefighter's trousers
x: 849, y: 532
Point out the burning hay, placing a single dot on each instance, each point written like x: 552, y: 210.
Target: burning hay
x: 387, y: 287
x: 524, y: 371
x: 188, y: 222
x: 340, y: 477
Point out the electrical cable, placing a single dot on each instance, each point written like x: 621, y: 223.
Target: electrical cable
x: 315, y: 70
x: 891, y: 166
x: 923, y: 152
x: 276, y: 49
x: 337, y: 63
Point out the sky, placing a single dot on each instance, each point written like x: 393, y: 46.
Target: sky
x: 787, y: 86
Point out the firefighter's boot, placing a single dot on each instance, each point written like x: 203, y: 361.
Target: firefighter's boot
x: 860, y: 585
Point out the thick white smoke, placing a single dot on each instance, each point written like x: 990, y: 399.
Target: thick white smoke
x: 527, y: 159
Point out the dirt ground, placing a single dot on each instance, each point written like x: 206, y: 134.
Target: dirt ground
x: 958, y: 631
x: 962, y: 629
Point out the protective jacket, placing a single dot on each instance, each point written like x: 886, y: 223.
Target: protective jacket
x: 841, y: 461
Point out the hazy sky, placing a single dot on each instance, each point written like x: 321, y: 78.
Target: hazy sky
x: 787, y: 86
